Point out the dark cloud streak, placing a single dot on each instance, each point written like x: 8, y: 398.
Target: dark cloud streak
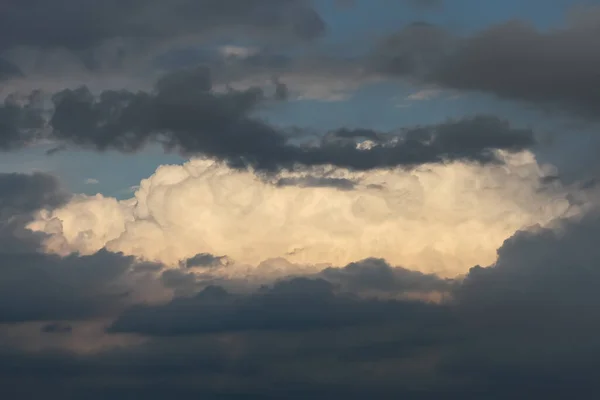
x: 514, y: 60
x: 80, y: 25
x: 183, y: 113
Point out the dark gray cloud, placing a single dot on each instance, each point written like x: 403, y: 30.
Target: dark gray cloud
x: 547, y: 273
x: 38, y: 287
x: 376, y: 275
x: 281, y: 90
x: 526, y: 324
x: 472, y: 139
x: 297, y: 304
x: 413, y: 51
x: 290, y: 73
x: 20, y: 121
x: 8, y: 70
x: 317, y: 181
x: 83, y: 24
x: 184, y: 114
x: 20, y: 195
x: 513, y: 60
x: 182, y: 282
x: 205, y: 260
x: 24, y: 193
x: 181, y: 113
x: 538, y: 300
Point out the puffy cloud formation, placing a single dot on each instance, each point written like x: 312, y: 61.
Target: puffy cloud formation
x: 441, y: 219
x: 287, y: 264
x: 103, y: 324
x: 38, y: 286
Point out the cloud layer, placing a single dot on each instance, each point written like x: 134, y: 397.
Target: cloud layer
x: 83, y: 25
x: 185, y: 113
x: 344, y: 331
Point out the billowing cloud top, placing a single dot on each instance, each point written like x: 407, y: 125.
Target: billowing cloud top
x: 424, y: 219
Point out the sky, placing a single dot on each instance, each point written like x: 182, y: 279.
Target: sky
x: 293, y: 199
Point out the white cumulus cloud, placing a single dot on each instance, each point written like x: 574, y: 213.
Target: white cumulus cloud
x: 438, y: 218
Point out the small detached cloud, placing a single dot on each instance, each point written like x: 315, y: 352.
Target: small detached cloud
x: 424, y: 95
x: 206, y: 260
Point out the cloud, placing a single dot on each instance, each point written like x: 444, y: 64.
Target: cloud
x: 317, y: 75
x: 116, y: 45
x: 538, y: 268
x: 8, y: 70
x: 374, y: 276
x: 91, y: 181
x: 537, y: 300
x: 313, y: 181
x: 38, y: 286
x: 525, y: 323
x: 22, y: 193
x: 439, y: 218
x: 20, y: 122
x: 297, y: 305
x: 398, y: 211
x: 82, y: 25
x: 183, y: 113
x: 47, y: 287
x: 205, y: 260
x: 20, y: 196
x: 513, y: 60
